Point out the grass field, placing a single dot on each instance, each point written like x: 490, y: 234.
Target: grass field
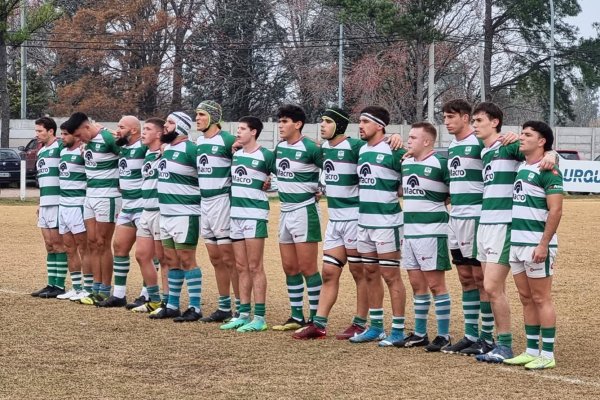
x: 52, y: 349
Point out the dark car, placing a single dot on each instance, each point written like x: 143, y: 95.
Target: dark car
x: 570, y: 154
x: 29, y: 154
x: 10, y: 166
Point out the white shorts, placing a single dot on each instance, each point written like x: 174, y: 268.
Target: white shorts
x: 520, y: 261
x: 215, y: 221
x: 102, y: 209
x: 179, y: 232
x: 148, y: 225
x: 129, y: 218
x: 462, y: 236
x: 341, y: 233
x: 425, y: 254
x: 70, y: 220
x: 48, y: 217
x: 300, y: 226
x: 248, y: 229
x: 493, y: 243
x: 381, y: 241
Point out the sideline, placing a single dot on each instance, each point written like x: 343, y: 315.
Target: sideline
x: 551, y: 377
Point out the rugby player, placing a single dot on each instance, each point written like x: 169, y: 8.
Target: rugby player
x: 536, y: 213
x: 70, y: 215
x: 425, y: 182
x: 298, y: 160
x: 214, y: 178
x: 179, y: 203
x: 102, y: 202
x: 380, y: 225
x: 251, y: 167
x: 48, y: 158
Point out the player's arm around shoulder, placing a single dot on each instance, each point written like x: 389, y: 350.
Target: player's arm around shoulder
x: 398, y: 158
x: 552, y: 183
x: 110, y: 141
x: 314, y: 149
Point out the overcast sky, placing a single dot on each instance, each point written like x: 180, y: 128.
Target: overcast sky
x: 590, y: 13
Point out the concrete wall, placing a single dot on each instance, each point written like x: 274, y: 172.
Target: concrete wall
x: 585, y: 140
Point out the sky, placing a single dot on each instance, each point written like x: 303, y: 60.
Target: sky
x: 590, y: 13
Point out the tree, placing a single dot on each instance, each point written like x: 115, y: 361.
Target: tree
x: 39, y: 16
x: 38, y: 95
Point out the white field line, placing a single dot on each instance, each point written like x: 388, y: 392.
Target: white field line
x: 7, y: 291
x: 552, y: 377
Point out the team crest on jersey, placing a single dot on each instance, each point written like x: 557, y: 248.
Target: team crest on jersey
x: 340, y: 154
x: 283, y: 169
x: 214, y: 149
x: 203, y: 169
x: 73, y: 158
x: 162, y: 170
x: 413, y: 187
x: 468, y: 150
x: 124, y: 168
x: 89, y: 158
x: 456, y: 169
x: 175, y: 155
x: 254, y: 163
x: 379, y: 158
x: 518, y: 195
x: 131, y: 153
x: 50, y: 153
x: 427, y: 171
x: 298, y: 155
x: 366, y: 175
x: 488, y: 174
x: 63, y: 170
x: 147, y: 170
x: 240, y: 176
x: 330, y: 174
x: 497, y: 153
x: 530, y: 176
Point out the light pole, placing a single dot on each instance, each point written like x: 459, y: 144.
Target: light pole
x: 551, y: 118
x: 341, y: 69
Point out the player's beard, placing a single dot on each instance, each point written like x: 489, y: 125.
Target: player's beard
x: 168, y: 137
x: 123, y: 140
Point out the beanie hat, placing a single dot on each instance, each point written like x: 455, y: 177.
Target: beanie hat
x: 183, y: 122
x: 213, y: 109
x: 339, y: 117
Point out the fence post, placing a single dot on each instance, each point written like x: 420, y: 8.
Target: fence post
x: 23, y: 183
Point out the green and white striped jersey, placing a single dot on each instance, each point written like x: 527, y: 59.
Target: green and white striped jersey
x: 425, y: 190
x: 130, y: 176
x: 297, y: 167
x: 500, y: 165
x: 530, y: 209
x: 72, y: 177
x: 150, y: 180
x: 102, y: 166
x: 214, y: 164
x: 466, y: 181
x: 178, y: 191
x: 379, y: 170
x: 248, y: 173
x: 339, y: 167
x: 48, y: 158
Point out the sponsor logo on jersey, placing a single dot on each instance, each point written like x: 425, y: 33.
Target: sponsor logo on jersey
x: 330, y: 174
x: 488, y: 175
x: 124, y: 168
x: 162, y: 172
x: 202, y: 165
x: 147, y: 170
x: 63, y: 170
x: 518, y: 195
x: 240, y: 176
x: 89, y: 158
x: 456, y: 170
x: 412, y: 187
x: 41, y: 167
x: 365, y: 177
x: 283, y: 169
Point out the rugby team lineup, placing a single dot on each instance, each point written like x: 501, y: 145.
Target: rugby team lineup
x: 491, y: 208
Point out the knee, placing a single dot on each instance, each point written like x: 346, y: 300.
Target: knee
x: 328, y: 276
x: 540, y: 298
x: 255, y: 268
x: 526, y: 299
x: 438, y: 289
x: 391, y: 277
x: 357, y: 274
x: 493, y: 290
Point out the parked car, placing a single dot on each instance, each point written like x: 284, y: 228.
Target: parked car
x: 10, y: 166
x: 570, y: 154
x: 29, y: 154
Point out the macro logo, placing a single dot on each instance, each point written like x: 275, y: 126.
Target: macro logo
x: 283, y: 169
x: 63, y: 170
x: 240, y: 176
x: 488, y: 175
x: 162, y: 170
x: 147, y: 170
x: 518, y: 195
x: 123, y: 168
x: 412, y: 187
x: 330, y: 174
x: 89, y: 158
x: 456, y: 170
x: 364, y: 174
x: 202, y: 165
x: 41, y: 167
